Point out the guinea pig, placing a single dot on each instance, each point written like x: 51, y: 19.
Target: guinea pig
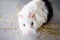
x: 32, y: 16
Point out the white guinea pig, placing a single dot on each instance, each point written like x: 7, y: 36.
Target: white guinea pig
x: 32, y: 16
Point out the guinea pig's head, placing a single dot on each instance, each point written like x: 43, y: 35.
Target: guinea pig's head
x: 29, y: 23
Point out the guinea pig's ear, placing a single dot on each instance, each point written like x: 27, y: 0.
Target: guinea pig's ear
x: 31, y: 15
x: 20, y: 15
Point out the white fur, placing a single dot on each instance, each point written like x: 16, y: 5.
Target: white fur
x: 40, y: 11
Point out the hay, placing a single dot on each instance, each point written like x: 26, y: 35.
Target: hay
x: 50, y: 30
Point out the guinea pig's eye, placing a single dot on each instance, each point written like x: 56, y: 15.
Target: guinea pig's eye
x: 23, y: 24
x: 31, y: 23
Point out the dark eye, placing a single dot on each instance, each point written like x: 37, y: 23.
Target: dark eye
x: 31, y: 23
x: 23, y: 24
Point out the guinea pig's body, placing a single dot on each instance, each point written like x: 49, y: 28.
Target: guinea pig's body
x: 32, y: 16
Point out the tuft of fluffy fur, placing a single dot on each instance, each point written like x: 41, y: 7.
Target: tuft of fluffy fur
x: 36, y: 7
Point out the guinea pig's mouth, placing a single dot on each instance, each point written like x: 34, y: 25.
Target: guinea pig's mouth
x: 31, y: 32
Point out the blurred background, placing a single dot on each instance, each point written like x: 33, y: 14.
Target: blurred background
x: 8, y: 18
